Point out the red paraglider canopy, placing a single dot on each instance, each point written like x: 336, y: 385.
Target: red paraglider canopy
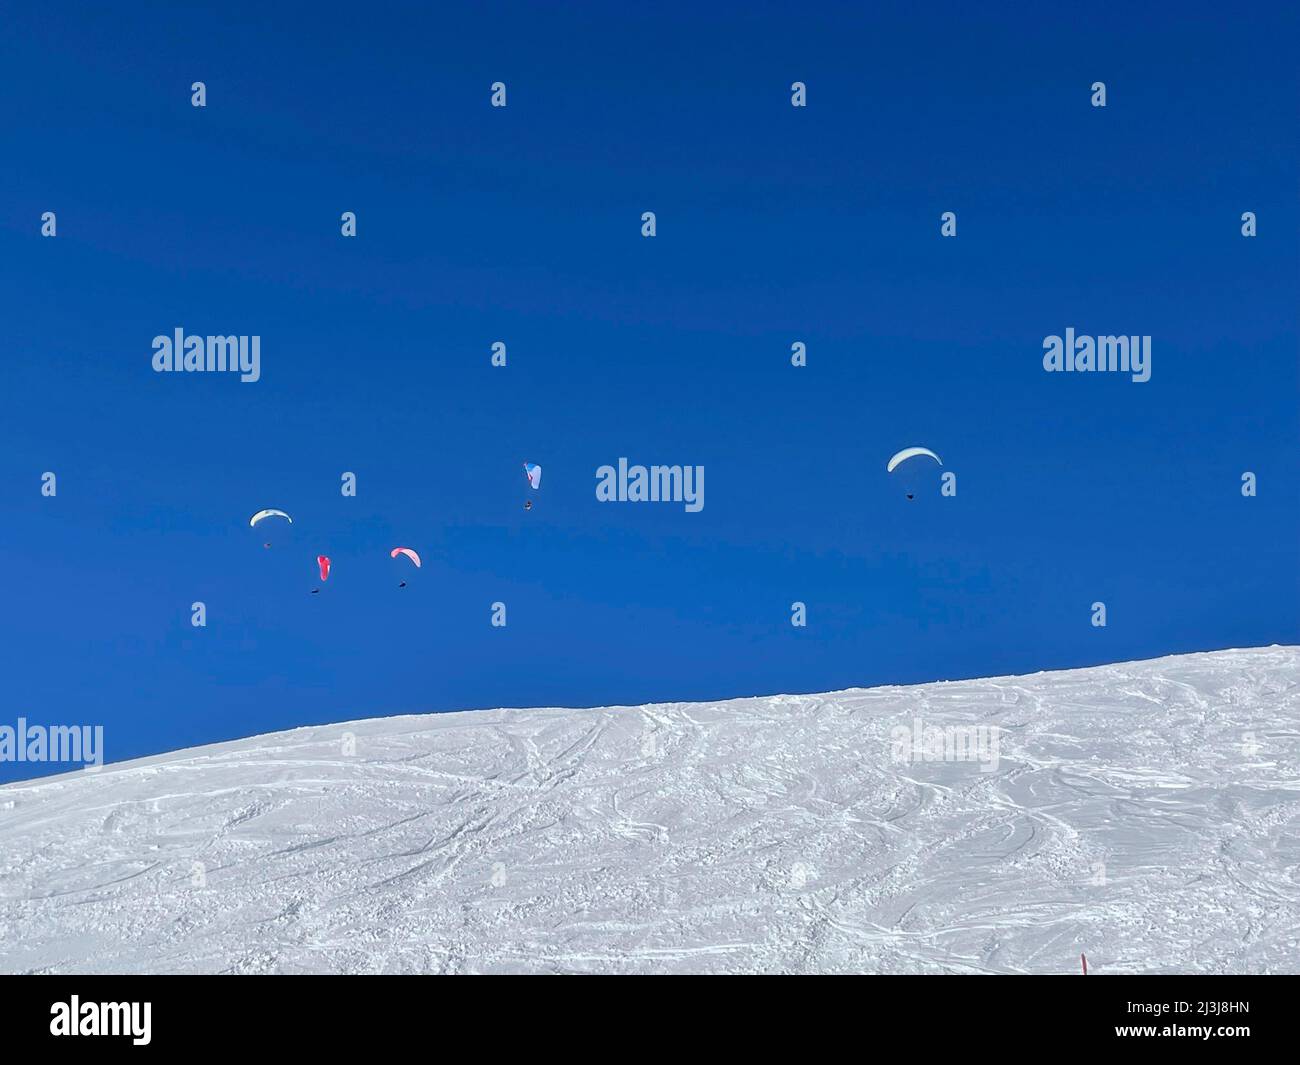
x: 324, y: 563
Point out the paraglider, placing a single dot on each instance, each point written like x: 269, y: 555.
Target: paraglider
x: 323, y: 562
x: 534, y: 474
x: 261, y: 515
x: 409, y: 553
x: 910, y: 453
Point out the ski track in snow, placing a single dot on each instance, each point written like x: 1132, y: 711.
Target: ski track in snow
x: 1129, y: 817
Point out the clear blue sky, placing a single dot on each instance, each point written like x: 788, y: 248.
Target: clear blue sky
x: 523, y: 225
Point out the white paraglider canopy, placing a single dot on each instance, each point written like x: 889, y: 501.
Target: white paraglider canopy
x: 910, y: 453
x: 269, y: 514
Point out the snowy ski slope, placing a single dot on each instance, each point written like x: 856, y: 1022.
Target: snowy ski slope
x: 1146, y: 813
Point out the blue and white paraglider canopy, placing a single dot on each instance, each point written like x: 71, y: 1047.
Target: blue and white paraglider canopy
x: 534, y: 474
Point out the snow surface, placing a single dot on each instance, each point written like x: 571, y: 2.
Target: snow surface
x: 1145, y: 813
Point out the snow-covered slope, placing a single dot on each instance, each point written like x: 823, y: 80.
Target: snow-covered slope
x: 1145, y: 813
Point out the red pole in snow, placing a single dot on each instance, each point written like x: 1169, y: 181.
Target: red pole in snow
x: 1084, y: 958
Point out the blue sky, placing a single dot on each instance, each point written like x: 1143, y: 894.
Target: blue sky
x: 522, y: 224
